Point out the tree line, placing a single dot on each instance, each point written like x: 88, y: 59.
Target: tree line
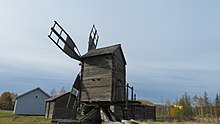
x: 193, y: 107
x: 7, y: 100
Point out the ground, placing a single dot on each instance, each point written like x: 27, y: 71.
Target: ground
x: 175, y: 123
x: 7, y: 117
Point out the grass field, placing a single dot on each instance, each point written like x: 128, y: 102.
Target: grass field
x: 7, y: 117
x: 206, y: 121
x: 175, y: 123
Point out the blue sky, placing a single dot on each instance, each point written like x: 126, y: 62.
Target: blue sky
x: 171, y: 46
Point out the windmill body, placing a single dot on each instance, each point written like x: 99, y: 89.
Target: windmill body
x: 103, y: 75
x: 101, y: 83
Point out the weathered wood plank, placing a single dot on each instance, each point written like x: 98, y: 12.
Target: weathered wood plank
x: 96, y: 94
x: 106, y: 71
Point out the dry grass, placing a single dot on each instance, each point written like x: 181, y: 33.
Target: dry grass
x: 7, y: 117
x: 175, y: 122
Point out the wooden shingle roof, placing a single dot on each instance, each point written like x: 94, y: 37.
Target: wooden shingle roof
x: 56, y: 97
x: 103, y: 51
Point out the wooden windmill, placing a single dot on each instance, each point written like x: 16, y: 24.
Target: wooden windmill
x: 101, y: 81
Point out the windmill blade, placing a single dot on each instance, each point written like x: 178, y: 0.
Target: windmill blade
x: 74, y: 91
x: 77, y: 82
x: 93, y: 38
x: 59, y: 36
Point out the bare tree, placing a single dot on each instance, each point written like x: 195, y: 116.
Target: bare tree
x: 53, y: 92
x: 63, y: 90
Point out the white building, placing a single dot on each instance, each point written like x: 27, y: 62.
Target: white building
x: 31, y: 102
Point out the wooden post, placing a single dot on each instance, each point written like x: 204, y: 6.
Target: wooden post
x: 135, y: 96
x: 132, y: 93
x: 127, y: 91
x: 126, y: 104
x: 80, y: 87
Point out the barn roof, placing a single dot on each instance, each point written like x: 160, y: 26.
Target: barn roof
x: 56, y: 97
x: 38, y: 88
x: 146, y: 102
x: 104, y: 51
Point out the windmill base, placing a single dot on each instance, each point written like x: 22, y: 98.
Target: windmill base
x: 109, y: 113
x: 99, y: 115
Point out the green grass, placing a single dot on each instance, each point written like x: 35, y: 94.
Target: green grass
x: 7, y: 117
